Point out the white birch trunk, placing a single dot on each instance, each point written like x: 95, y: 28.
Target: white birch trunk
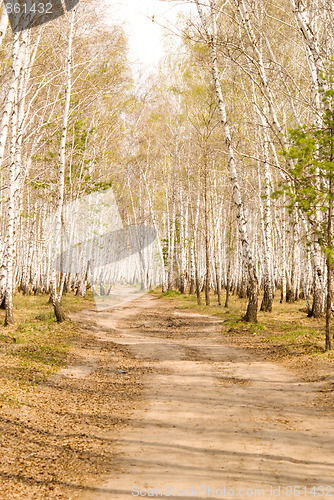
x: 316, y: 64
x: 11, y: 96
x: 251, y: 314
x: 155, y: 225
x: 182, y: 243
x: 16, y: 66
x: 171, y: 237
x: 55, y: 297
x: 268, y: 297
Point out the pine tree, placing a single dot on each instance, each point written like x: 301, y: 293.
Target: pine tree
x: 312, y: 190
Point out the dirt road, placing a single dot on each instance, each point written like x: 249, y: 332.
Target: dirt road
x: 213, y: 421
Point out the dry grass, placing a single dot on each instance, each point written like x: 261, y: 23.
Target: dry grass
x: 286, y: 332
x: 51, y: 423
x: 35, y: 346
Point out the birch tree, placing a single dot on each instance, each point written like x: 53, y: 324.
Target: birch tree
x: 211, y: 40
x: 12, y: 109
x: 56, y: 296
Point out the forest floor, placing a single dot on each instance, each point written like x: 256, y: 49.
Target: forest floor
x: 160, y: 394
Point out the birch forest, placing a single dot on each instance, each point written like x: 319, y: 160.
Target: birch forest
x: 226, y: 151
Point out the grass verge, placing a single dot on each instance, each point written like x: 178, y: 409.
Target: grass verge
x: 35, y: 346
x: 286, y: 331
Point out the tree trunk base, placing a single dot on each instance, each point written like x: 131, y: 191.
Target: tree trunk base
x: 9, y: 317
x: 227, y: 297
x: 290, y: 297
x: 317, y: 306
x: 3, y: 303
x: 251, y: 313
x: 58, y: 310
x: 9, y: 320
x: 267, y: 300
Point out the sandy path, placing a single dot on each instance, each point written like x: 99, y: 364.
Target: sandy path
x: 214, y: 421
